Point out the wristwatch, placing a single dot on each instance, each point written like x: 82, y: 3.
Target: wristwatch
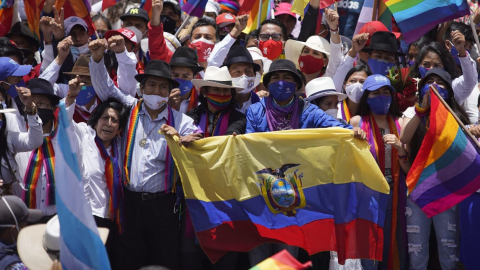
x: 31, y: 111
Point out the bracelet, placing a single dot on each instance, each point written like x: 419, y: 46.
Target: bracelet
x: 403, y: 158
x: 334, y: 32
x: 421, y: 112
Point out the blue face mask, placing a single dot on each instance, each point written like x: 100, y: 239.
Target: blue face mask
x: 379, y: 66
x: 185, y: 86
x: 85, y: 96
x: 12, y: 91
x: 454, y: 53
x: 442, y: 91
x: 411, y: 63
x: 281, y: 90
x: 423, y: 71
x: 380, y: 104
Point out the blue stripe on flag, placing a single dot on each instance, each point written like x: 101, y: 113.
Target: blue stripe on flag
x: 78, y: 231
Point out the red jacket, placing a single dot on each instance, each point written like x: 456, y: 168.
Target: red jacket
x: 156, y: 44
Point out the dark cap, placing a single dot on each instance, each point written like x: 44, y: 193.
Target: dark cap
x: 19, y: 209
x: 439, y: 72
x: 43, y: 87
x: 136, y: 12
x: 186, y: 57
x: 22, y: 29
x: 282, y: 65
x: 158, y: 68
x: 240, y: 54
x: 175, y: 5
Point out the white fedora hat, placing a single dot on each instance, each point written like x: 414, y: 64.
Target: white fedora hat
x: 294, y: 48
x: 39, y: 245
x: 321, y: 87
x: 216, y: 77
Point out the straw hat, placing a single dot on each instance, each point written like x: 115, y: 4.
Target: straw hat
x: 216, y: 77
x: 294, y: 48
x: 35, y: 240
x: 81, y: 67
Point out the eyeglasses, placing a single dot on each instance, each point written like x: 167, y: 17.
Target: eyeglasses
x: 265, y: 37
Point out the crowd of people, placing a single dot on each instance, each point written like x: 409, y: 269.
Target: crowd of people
x: 145, y: 74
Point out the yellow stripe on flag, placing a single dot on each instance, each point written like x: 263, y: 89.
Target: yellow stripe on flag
x: 298, y: 7
x: 228, y: 163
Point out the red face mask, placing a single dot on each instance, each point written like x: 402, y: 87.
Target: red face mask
x: 310, y: 65
x: 204, y: 48
x: 271, y: 48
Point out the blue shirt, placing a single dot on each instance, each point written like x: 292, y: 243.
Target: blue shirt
x: 349, y: 11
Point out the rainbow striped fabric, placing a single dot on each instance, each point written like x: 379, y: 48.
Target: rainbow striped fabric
x: 417, y: 17
x: 252, y: 7
x: 283, y: 260
x: 6, y: 16
x: 195, y: 7
x: 447, y: 167
x: 284, y: 187
x: 33, y: 8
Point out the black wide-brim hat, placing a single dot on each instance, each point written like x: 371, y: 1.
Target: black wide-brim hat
x: 240, y: 54
x: 282, y: 65
x: 186, y: 57
x: 22, y: 29
x: 383, y: 41
x: 158, y: 68
x: 39, y: 86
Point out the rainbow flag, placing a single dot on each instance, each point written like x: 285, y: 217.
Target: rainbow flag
x: 417, y: 17
x: 6, y: 16
x: 79, y: 8
x: 33, y: 8
x: 287, y: 187
x: 195, y: 7
x: 252, y: 7
x: 447, y: 167
x: 283, y: 260
x: 384, y: 15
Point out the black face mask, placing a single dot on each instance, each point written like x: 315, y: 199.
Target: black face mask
x: 46, y: 115
x: 168, y: 24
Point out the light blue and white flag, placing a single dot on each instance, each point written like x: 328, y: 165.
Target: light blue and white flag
x: 80, y: 243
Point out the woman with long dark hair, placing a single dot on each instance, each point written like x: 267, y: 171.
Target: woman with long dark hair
x: 446, y: 223
x: 352, y: 86
x: 378, y: 116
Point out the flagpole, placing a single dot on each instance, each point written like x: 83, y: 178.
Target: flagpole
x: 434, y: 90
x: 182, y: 26
x: 374, y: 11
x: 259, y: 18
x: 474, y: 31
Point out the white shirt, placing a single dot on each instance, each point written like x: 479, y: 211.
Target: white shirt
x: 93, y: 169
x: 127, y: 69
x: 470, y: 105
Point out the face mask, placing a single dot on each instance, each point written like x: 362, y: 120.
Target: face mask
x: 85, y: 96
x: 79, y: 50
x: 185, y: 86
x: 423, y: 71
x: 354, y: 91
x: 442, y: 91
x: 155, y: 102
x: 46, y: 115
x: 379, y: 66
x: 281, y: 90
x: 309, y: 64
x: 12, y: 91
x: 380, y: 104
x: 218, y: 102
x: 332, y: 112
x: 271, y: 48
x: 204, y: 48
x: 411, y: 63
x: 247, y: 83
x: 169, y: 24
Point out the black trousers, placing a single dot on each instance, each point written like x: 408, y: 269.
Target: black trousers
x: 152, y: 232
x: 112, y: 241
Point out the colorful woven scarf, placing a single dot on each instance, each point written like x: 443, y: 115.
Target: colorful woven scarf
x: 131, y: 131
x: 346, y: 114
x: 193, y: 99
x: 171, y: 172
x: 377, y: 148
x: 113, y: 178
x: 221, y: 125
x: 42, y: 157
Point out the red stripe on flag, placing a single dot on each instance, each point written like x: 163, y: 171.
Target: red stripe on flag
x: 76, y: 8
x: 356, y: 239
x: 6, y: 17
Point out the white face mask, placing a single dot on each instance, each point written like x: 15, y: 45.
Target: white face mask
x: 247, y: 83
x: 155, y: 102
x: 354, y: 92
x: 79, y: 50
x: 332, y: 112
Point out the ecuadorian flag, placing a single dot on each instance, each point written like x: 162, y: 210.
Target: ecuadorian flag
x: 318, y: 189
x: 447, y: 167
